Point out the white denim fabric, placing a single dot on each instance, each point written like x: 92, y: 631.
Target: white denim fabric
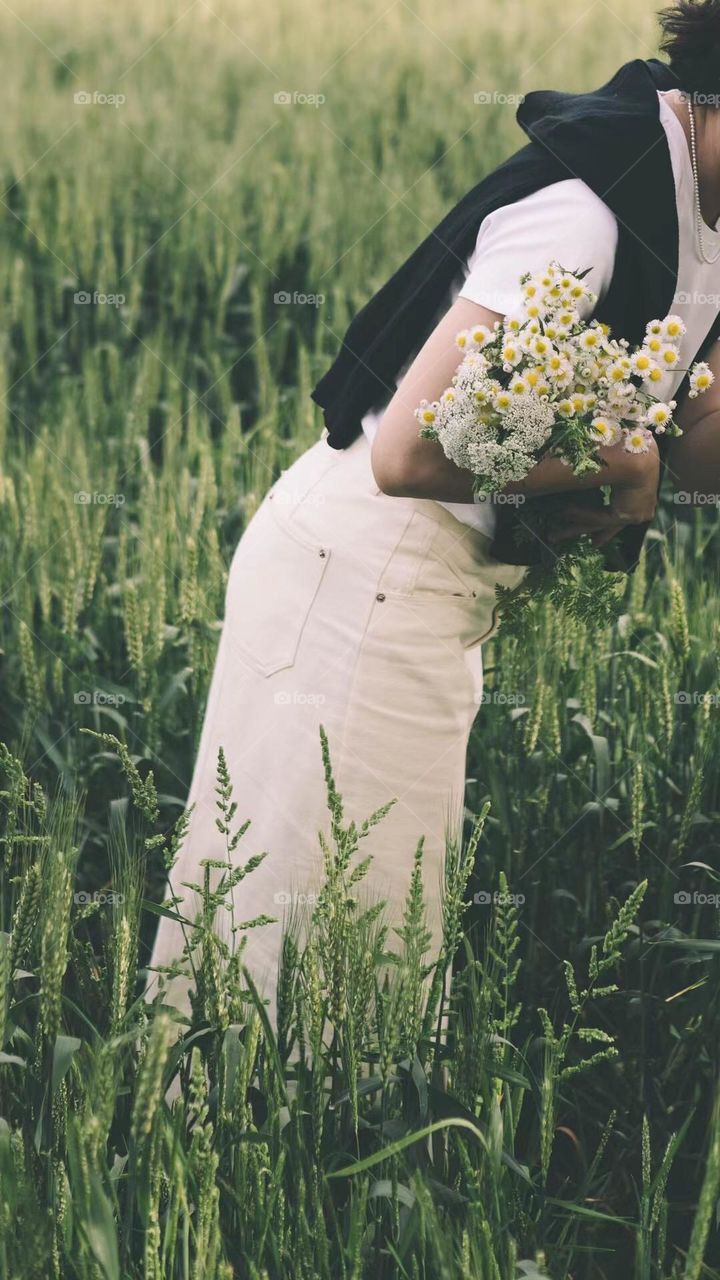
x: 365, y: 614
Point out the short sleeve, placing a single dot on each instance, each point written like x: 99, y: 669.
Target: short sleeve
x: 564, y: 221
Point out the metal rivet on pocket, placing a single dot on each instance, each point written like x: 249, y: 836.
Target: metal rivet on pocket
x: 380, y: 596
x: 321, y: 552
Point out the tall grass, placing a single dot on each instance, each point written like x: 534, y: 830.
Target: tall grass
x: 553, y: 1110
x: 392, y: 1124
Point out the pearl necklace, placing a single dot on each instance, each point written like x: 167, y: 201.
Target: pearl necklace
x: 698, y: 211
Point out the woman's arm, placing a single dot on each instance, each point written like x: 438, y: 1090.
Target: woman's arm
x: 404, y: 463
x: 694, y: 457
x: 407, y: 465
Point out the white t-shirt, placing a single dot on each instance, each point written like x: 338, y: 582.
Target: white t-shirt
x: 568, y: 222
x: 697, y: 296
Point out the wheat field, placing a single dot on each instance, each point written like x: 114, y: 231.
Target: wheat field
x: 194, y: 199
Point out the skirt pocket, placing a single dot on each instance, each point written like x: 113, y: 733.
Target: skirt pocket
x: 274, y: 578
x: 420, y: 569
x: 442, y: 582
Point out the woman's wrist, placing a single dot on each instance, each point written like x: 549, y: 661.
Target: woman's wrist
x: 619, y: 468
x: 633, y: 470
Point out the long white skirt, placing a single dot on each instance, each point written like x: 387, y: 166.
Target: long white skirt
x: 365, y: 614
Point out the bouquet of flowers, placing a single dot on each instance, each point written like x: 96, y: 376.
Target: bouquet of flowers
x: 544, y: 382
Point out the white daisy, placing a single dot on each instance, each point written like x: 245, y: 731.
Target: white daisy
x: 636, y: 440
x: 605, y: 430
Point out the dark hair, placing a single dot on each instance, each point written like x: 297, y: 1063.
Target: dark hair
x: 691, y: 39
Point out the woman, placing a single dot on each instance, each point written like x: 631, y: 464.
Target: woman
x: 361, y: 593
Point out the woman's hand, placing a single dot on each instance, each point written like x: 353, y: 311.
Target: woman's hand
x: 633, y: 501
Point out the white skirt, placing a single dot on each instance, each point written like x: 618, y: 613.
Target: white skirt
x: 365, y: 614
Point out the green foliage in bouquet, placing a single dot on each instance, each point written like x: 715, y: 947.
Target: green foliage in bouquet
x: 579, y: 583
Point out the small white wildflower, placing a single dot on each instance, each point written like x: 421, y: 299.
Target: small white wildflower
x: 672, y: 327
x: 637, y: 440
x: 658, y: 415
x: 701, y: 377
x: 605, y: 430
